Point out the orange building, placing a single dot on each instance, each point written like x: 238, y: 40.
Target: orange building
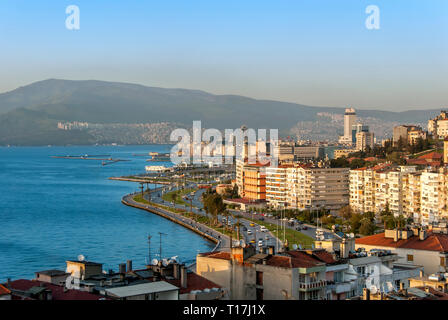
x: 254, y: 182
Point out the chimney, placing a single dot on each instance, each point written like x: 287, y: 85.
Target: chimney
x: 421, y: 273
x: 183, y: 277
x: 8, y: 283
x: 176, y: 270
x: 122, y: 268
x: 366, y: 294
x: 422, y: 235
x: 396, y: 238
x: 129, y: 265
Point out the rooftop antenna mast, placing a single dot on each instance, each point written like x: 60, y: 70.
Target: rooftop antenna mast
x: 160, y: 249
x: 149, y: 248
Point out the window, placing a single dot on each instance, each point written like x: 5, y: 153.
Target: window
x: 410, y: 258
x: 442, y: 261
x: 259, y: 294
x: 259, y: 278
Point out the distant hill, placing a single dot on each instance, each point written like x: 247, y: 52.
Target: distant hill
x: 28, y: 115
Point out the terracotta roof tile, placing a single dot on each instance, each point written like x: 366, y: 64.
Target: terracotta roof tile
x: 57, y: 291
x: 4, y: 290
x: 194, y: 282
x: 433, y: 242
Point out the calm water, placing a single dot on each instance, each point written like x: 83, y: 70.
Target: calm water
x: 52, y: 210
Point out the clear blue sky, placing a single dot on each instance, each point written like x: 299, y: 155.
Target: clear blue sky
x: 313, y: 52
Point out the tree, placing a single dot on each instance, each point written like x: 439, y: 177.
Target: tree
x: 214, y: 205
x: 367, y: 227
x: 345, y: 212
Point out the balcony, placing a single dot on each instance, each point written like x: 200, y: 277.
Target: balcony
x: 308, y: 286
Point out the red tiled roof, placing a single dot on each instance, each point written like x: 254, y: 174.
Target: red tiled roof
x: 431, y: 155
x: 221, y: 255
x: 194, y: 282
x: 433, y: 242
x: 4, y: 290
x: 57, y: 291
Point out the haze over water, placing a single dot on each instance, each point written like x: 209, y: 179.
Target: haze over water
x: 52, y: 210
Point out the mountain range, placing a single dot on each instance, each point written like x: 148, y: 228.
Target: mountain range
x: 29, y: 114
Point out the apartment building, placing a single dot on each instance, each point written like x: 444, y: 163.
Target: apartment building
x: 277, y: 186
x: 247, y: 275
x: 438, y: 126
x: 408, y: 133
x: 306, y: 187
x: 251, y: 180
x: 414, y: 246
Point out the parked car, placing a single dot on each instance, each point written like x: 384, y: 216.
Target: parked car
x: 249, y: 232
x: 263, y: 229
x: 261, y: 219
x: 298, y: 228
x: 260, y: 243
x: 304, y: 228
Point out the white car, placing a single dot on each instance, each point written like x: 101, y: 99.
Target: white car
x: 260, y: 243
x: 263, y: 229
x: 249, y: 232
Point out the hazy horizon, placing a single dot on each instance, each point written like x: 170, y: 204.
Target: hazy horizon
x: 313, y: 53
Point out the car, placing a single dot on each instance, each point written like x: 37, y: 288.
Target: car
x: 304, y: 228
x: 266, y: 237
x: 261, y: 219
x: 249, y: 232
x: 260, y: 243
x: 252, y: 241
x: 263, y: 229
x: 252, y: 224
x: 244, y: 228
x: 298, y: 228
x: 300, y: 222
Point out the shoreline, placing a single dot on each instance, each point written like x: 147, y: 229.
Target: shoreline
x: 210, y: 234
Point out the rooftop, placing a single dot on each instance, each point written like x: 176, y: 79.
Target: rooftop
x: 52, y: 273
x: 140, y: 289
x: 434, y: 242
x: 58, y: 292
x: 194, y: 282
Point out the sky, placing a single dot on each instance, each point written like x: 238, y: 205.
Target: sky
x: 313, y: 52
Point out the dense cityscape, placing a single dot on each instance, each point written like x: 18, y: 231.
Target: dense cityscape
x: 367, y: 224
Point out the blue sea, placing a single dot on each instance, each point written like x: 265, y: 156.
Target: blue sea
x: 52, y: 210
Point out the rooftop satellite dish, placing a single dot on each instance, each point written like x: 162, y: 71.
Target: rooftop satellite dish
x: 174, y: 258
x: 154, y: 262
x: 164, y: 262
x: 81, y: 258
x: 294, y: 246
x: 312, y: 246
x: 300, y: 247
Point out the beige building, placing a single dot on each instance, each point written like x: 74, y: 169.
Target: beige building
x: 421, y: 247
x: 364, y: 140
x: 421, y: 195
x: 305, y: 187
x: 438, y: 126
x: 247, y: 275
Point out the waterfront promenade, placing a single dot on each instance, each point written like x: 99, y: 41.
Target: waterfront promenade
x: 222, y: 241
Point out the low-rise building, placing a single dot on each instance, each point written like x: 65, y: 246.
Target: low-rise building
x: 418, y: 246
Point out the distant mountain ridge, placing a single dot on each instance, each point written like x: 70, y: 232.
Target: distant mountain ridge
x: 31, y: 112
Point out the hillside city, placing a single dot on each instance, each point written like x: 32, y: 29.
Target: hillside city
x: 367, y: 223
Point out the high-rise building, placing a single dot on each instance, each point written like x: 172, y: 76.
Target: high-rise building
x: 349, y: 121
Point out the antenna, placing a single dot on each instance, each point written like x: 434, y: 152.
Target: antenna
x: 149, y: 247
x: 160, y: 249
